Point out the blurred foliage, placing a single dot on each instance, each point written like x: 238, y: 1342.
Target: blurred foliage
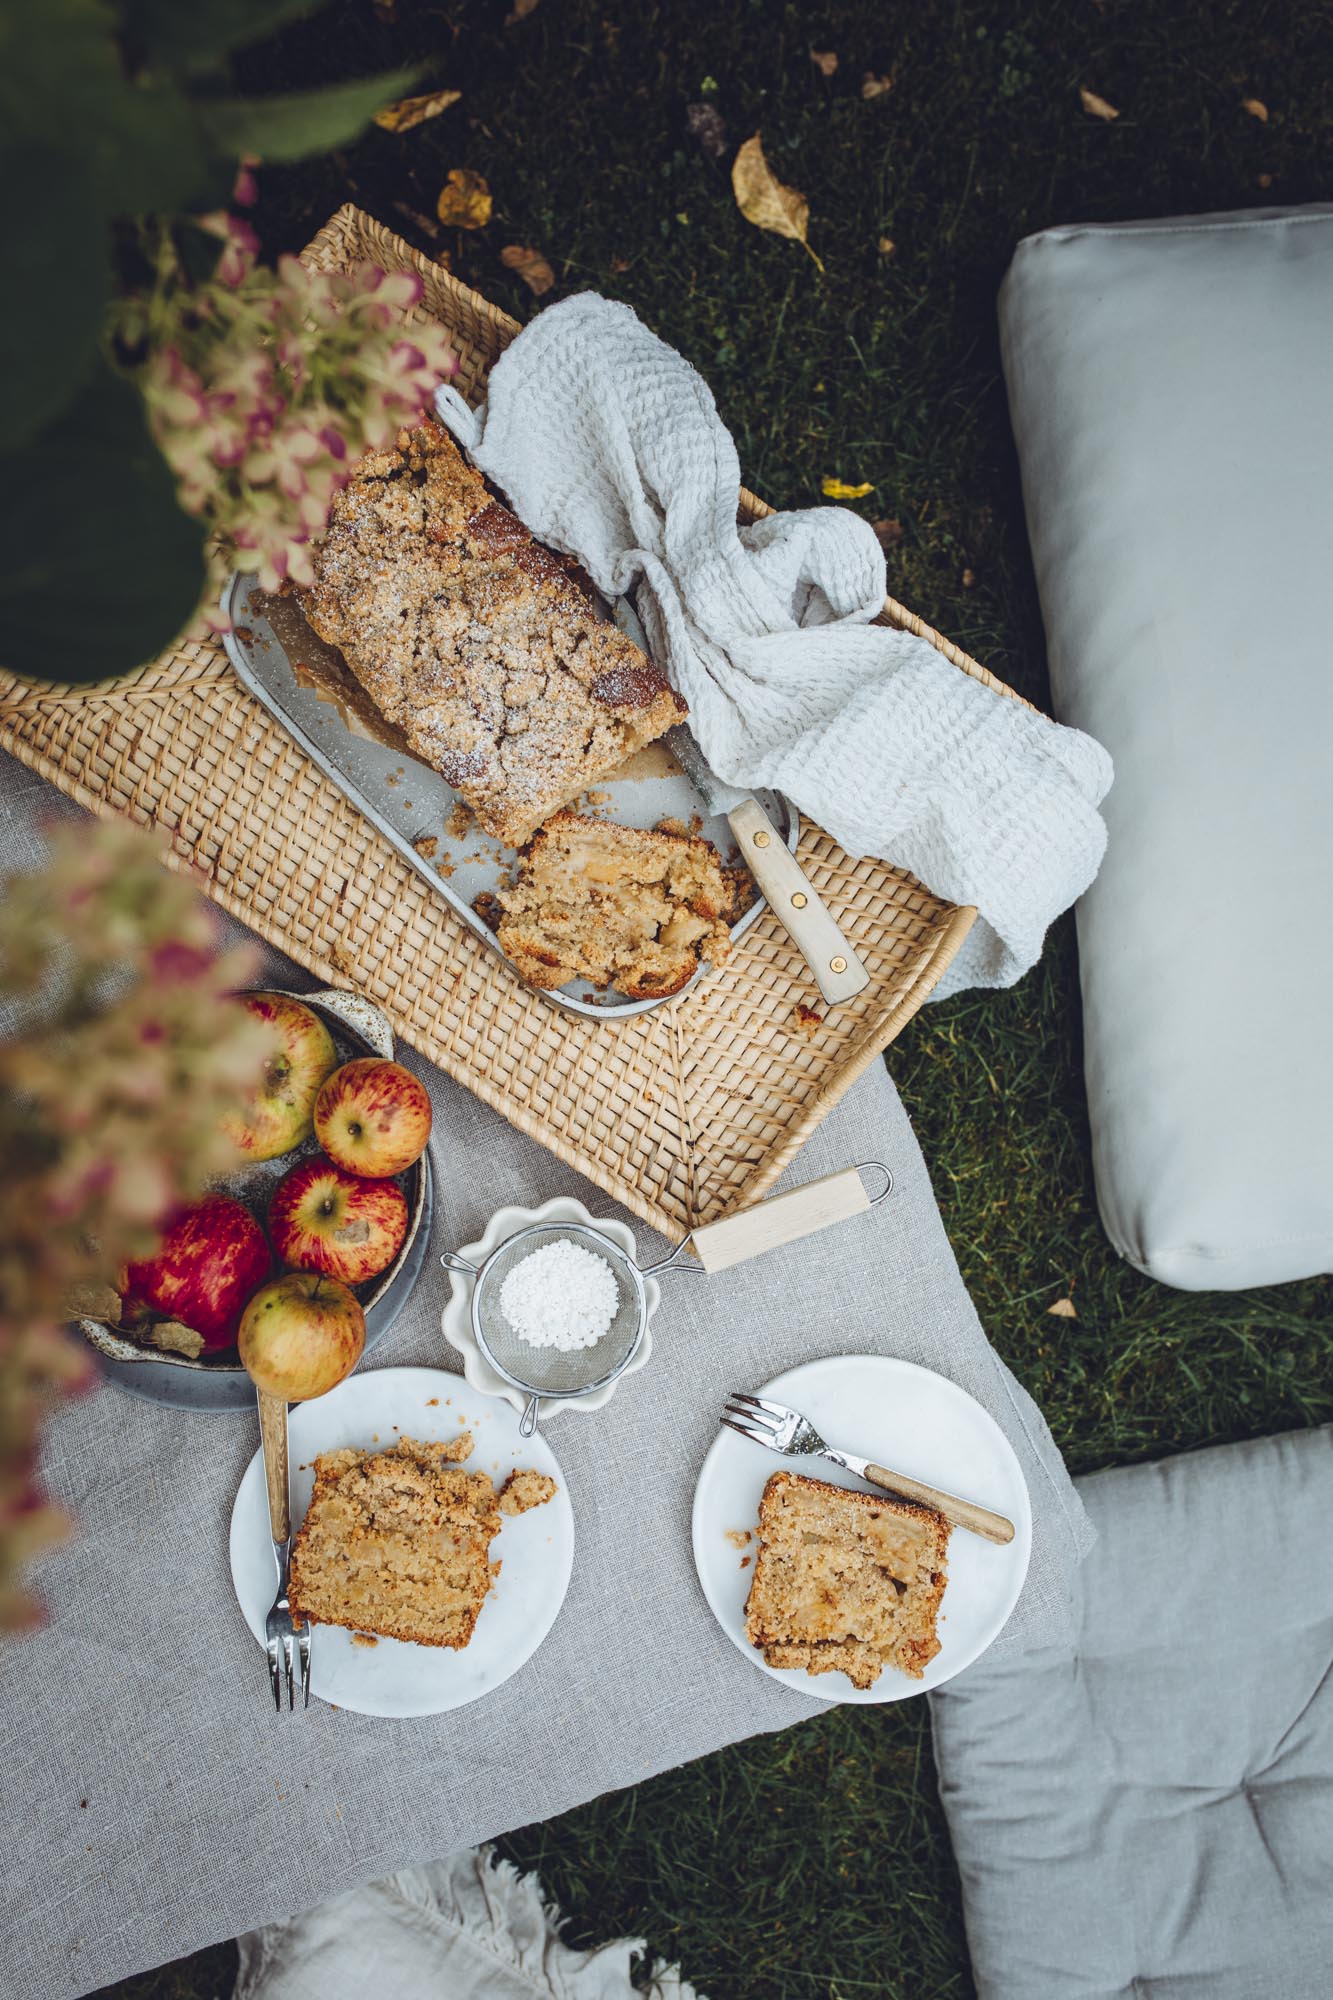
x: 114, y: 112
x: 122, y: 1053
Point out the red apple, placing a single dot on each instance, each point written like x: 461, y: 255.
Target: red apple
x: 373, y: 1117
x: 322, y: 1218
x: 300, y: 1335
x: 211, y: 1257
x: 279, y: 1113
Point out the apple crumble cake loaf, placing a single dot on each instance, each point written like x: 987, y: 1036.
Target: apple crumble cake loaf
x: 845, y: 1580
x: 617, y: 906
x: 397, y: 1542
x: 476, y: 642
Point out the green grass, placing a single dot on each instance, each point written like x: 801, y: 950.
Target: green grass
x: 817, y: 1864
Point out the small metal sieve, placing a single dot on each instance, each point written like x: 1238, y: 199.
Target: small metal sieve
x: 557, y: 1375
x: 550, y: 1371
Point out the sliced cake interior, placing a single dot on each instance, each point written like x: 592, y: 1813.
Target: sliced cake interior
x: 397, y: 1542
x: 616, y: 905
x: 845, y: 1580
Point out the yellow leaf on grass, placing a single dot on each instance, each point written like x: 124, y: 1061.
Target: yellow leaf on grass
x: 530, y: 265
x: 411, y: 111
x: 1256, y: 108
x: 763, y: 200
x: 465, y: 200
x: 825, y: 61
x: 1096, y: 107
x: 1062, y: 1309
x: 838, y: 489
x: 873, y: 86
x: 886, y: 246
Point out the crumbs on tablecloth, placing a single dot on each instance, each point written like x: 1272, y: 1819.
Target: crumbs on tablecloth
x: 364, y: 1639
x: 807, y: 1020
x: 427, y: 846
x: 738, y: 1537
x: 459, y: 820
x: 746, y: 1561
x: 432, y: 1402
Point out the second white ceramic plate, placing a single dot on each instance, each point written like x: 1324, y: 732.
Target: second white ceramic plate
x: 905, y: 1417
x: 537, y: 1548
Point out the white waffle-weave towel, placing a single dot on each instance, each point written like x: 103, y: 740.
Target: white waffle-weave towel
x: 609, y: 446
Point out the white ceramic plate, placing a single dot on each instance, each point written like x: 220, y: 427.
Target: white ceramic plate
x: 918, y: 1423
x: 536, y: 1548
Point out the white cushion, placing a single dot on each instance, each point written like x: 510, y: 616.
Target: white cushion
x: 1151, y: 1813
x: 1171, y: 385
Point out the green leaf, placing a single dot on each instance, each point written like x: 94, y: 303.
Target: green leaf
x: 56, y: 282
x: 191, y: 33
x: 311, y: 121
x: 101, y: 568
x: 62, y: 76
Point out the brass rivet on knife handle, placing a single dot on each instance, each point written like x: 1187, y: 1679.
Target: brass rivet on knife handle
x: 795, y: 902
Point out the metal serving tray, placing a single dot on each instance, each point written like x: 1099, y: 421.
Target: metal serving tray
x: 409, y: 802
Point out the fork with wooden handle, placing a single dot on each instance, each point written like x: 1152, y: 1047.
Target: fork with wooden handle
x: 794, y: 1436
x: 286, y: 1638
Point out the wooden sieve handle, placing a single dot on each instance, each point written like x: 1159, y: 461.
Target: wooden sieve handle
x: 784, y: 1218
x: 273, y: 1437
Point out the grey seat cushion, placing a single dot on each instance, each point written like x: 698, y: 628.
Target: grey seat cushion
x: 1152, y: 1814
x: 1171, y: 386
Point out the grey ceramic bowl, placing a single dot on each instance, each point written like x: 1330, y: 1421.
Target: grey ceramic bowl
x: 218, y: 1381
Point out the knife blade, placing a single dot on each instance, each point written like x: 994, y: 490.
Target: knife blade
x: 838, y: 972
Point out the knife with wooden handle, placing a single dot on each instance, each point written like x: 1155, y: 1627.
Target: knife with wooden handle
x: 838, y: 972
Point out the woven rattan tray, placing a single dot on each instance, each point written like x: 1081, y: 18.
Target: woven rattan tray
x: 681, y: 1113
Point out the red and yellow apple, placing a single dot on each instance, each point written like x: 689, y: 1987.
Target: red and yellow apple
x: 211, y: 1258
x: 279, y: 1112
x: 322, y: 1218
x: 373, y: 1117
x: 300, y: 1335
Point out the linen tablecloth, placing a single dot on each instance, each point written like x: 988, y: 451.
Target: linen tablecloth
x: 153, y: 1802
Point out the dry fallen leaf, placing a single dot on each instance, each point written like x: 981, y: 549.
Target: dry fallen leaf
x: 92, y: 1302
x: 825, y: 61
x: 1097, y: 107
x: 873, y: 86
x: 707, y: 127
x: 620, y: 264
x: 1256, y: 108
x: 465, y: 200
x: 838, y: 489
x: 763, y: 200
x: 887, y: 533
x: 1062, y: 1309
x: 412, y: 111
x: 173, y: 1336
x: 530, y: 265
x: 886, y: 246
x: 969, y: 579
x: 1265, y: 180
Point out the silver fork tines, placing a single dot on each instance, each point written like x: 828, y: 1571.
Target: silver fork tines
x: 286, y: 1640
x: 773, y: 1424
